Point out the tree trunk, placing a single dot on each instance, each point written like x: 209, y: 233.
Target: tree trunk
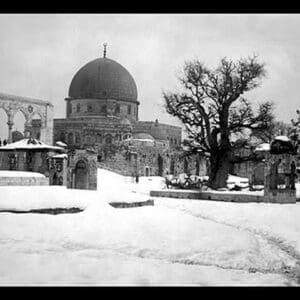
x: 219, y: 169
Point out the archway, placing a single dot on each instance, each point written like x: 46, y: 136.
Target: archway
x: 147, y: 171
x: 19, y: 123
x: 81, y: 175
x: 18, y: 105
x: 108, y: 139
x: 160, y: 163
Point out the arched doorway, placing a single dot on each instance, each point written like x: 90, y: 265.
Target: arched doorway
x: 160, y: 163
x: 147, y: 171
x: 81, y: 175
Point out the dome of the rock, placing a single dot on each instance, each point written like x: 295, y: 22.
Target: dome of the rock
x: 103, y: 78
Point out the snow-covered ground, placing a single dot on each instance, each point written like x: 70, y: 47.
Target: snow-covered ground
x: 20, y: 174
x: 174, y: 242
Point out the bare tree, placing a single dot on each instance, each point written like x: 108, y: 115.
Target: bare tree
x: 212, y: 108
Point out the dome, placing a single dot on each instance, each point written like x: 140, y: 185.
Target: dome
x: 143, y: 136
x: 103, y: 78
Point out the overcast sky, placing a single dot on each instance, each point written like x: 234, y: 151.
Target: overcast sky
x: 40, y: 53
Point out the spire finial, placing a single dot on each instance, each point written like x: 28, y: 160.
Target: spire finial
x: 104, y: 52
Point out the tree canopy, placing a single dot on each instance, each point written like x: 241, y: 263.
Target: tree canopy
x: 213, y: 108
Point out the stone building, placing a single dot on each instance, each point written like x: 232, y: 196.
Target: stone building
x: 280, y: 171
x: 32, y: 155
x: 102, y: 114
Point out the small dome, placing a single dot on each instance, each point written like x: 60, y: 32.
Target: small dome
x: 103, y: 78
x: 143, y: 136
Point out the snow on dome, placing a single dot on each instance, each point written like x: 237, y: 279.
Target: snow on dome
x: 143, y: 140
x: 143, y: 136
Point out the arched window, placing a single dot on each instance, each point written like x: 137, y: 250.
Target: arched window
x: 129, y: 109
x: 78, y: 107
x: 108, y: 139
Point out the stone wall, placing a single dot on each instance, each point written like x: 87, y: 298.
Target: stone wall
x: 96, y: 132
x: 159, y: 131
x: 102, y: 107
x: 215, y: 196
x: 141, y: 159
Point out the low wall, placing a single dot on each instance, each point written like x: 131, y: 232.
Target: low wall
x: 132, y: 204
x: 216, y: 196
x: 221, y: 196
x: 27, y: 181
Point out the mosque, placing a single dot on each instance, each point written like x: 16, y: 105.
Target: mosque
x: 102, y: 128
x: 102, y: 113
x: 103, y: 108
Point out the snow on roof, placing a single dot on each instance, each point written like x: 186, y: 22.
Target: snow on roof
x: 143, y: 140
x: 29, y: 144
x: 236, y: 179
x: 283, y: 138
x: 138, y: 140
x: 143, y: 136
x: 63, y: 155
x: 61, y: 144
x: 263, y: 147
